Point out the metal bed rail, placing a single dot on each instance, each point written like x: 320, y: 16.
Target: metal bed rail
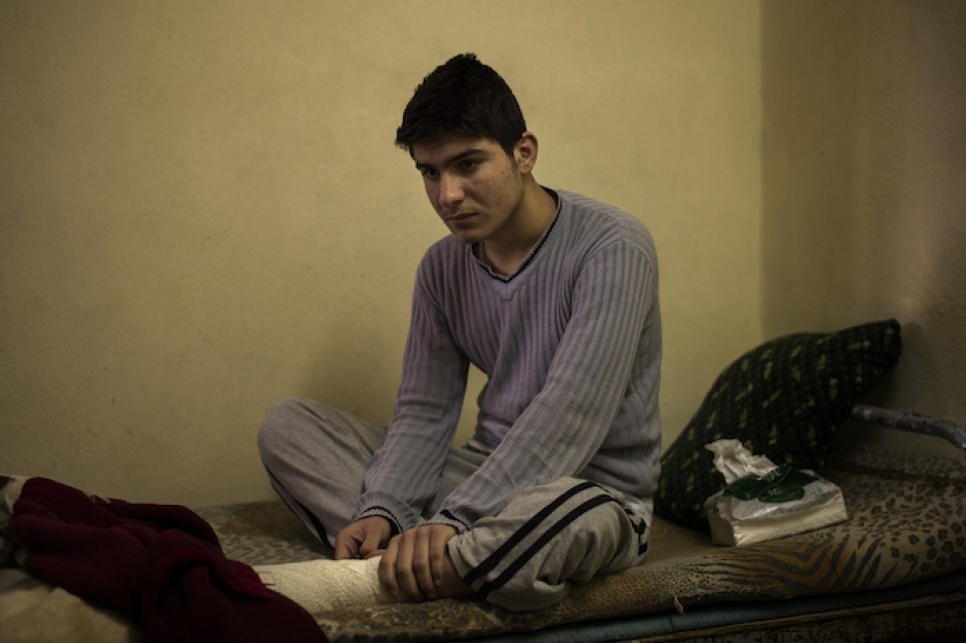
x: 914, y: 423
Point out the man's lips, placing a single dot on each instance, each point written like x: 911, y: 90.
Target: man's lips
x: 459, y: 217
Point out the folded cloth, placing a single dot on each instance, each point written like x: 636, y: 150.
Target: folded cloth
x: 159, y: 565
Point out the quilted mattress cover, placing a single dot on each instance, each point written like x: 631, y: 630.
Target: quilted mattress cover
x: 906, y: 498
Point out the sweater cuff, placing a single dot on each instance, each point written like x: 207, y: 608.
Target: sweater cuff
x: 400, y: 515
x: 446, y: 517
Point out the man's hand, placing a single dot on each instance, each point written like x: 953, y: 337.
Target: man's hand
x: 363, y: 538
x: 416, y: 563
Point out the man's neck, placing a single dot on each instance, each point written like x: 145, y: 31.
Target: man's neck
x: 505, y: 255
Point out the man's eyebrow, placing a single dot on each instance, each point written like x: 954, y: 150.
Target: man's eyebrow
x: 456, y: 158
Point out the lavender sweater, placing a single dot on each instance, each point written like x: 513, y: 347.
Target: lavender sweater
x: 571, y: 346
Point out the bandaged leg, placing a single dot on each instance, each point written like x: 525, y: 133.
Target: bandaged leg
x: 321, y: 585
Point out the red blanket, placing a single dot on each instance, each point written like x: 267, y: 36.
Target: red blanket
x: 159, y: 565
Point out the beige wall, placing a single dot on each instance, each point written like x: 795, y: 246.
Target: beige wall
x: 201, y: 210
x: 864, y: 182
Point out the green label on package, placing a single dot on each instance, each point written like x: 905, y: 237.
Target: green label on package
x: 781, y: 484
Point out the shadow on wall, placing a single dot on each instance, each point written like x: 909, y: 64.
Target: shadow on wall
x: 863, y: 168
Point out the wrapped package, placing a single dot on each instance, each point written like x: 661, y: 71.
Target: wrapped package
x: 762, y: 501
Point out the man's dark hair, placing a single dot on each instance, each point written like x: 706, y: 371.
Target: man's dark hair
x: 463, y: 97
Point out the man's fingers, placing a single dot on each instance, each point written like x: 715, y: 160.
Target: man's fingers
x: 422, y: 565
x: 372, y: 543
x: 405, y: 559
x: 362, y: 537
x: 387, y: 568
x: 343, y: 551
x: 437, y: 554
x: 415, y: 562
x: 346, y: 546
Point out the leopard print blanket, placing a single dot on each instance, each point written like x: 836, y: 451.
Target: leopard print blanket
x: 907, y: 523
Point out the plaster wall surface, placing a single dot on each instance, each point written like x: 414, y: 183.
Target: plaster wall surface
x: 864, y: 182
x: 201, y: 209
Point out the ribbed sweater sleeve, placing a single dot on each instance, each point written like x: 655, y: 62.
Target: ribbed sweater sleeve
x: 404, y: 474
x: 571, y: 347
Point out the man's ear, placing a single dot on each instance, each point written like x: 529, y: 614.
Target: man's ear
x: 525, y: 152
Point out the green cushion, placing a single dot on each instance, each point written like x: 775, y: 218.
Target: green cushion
x: 784, y: 399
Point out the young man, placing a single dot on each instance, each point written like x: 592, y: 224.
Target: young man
x: 554, y: 297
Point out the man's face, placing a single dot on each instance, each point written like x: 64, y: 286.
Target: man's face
x: 473, y: 185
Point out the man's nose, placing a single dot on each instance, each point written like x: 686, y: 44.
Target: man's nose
x: 450, y: 190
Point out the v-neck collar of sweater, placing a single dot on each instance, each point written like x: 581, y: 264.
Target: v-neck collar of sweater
x: 534, y: 251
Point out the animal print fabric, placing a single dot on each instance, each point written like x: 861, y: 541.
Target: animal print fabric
x: 907, y: 523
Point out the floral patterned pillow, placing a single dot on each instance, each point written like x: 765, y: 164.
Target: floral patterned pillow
x: 784, y: 399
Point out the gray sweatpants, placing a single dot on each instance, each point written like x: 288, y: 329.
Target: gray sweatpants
x: 522, y: 559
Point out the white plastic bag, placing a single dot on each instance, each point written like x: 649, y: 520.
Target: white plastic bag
x: 762, y: 501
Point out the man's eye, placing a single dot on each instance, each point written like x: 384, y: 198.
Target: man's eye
x: 428, y: 173
x: 468, y: 165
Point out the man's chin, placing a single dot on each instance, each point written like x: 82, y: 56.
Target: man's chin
x: 466, y: 237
